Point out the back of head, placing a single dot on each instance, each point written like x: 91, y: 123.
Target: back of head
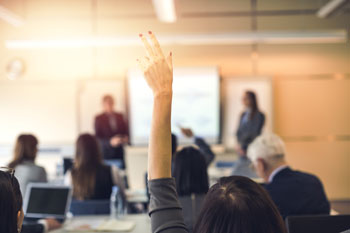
x: 268, y: 147
x: 237, y: 204
x: 25, y: 149
x: 190, y: 172
x: 10, y: 202
x: 87, y: 153
x: 87, y: 159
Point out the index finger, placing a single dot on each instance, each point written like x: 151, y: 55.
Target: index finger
x: 147, y: 46
x: 156, y: 45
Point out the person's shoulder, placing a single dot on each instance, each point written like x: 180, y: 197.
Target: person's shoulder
x: 42, y: 169
x: 307, y: 176
x: 300, y: 177
x: 99, y: 116
x: 118, y: 114
x: 261, y: 114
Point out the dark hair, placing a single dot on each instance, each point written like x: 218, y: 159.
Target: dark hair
x: 254, y: 103
x: 174, y: 144
x: 190, y: 172
x: 87, y: 159
x: 10, y: 202
x: 237, y: 204
x: 25, y: 149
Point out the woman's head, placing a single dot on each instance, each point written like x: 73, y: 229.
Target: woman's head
x: 237, y: 204
x: 190, y: 172
x: 11, y: 214
x: 25, y: 149
x: 250, y: 100
x: 87, y: 153
x: 87, y: 159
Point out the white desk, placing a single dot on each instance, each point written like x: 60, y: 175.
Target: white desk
x: 142, y: 221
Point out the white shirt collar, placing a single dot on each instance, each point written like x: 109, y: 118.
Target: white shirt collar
x: 277, y: 170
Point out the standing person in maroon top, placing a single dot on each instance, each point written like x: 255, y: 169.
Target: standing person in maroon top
x: 111, y: 130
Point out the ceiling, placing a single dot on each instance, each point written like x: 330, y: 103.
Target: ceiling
x: 52, y: 19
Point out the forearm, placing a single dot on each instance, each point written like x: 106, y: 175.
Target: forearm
x: 159, y: 152
x: 205, y: 149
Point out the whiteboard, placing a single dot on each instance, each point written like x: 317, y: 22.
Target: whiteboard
x: 234, y: 89
x: 90, y: 95
x: 47, y: 109
x: 196, y: 104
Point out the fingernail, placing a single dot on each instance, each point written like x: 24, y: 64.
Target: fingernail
x: 140, y: 35
x: 171, y: 53
x: 149, y: 32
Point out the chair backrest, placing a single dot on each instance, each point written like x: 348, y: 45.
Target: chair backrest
x: 318, y: 224
x: 90, y: 207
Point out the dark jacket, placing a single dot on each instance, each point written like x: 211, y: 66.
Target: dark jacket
x: 104, y: 133
x: 298, y: 193
x: 248, y: 131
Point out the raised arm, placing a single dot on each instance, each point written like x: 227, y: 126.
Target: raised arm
x: 158, y: 72
x: 165, y: 209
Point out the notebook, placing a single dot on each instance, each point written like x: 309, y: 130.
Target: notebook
x: 100, y: 225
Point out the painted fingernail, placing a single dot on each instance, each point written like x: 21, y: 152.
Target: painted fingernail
x: 149, y: 32
x: 140, y: 35
x: 171, y: 53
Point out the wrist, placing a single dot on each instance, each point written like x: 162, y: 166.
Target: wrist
x: 163, y: 94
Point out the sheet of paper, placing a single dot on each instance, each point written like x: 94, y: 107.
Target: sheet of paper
x: 84, y: 225
x: 116, y: 225
x: 88, y: 225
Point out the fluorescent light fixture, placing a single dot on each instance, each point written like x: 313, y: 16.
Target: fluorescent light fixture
x: 330, y: 7
x: 165, y: 10
x: 320, y: 37
x: 10, y: 17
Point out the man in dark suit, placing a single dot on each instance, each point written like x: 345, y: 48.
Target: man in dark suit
x: 294, y: 192
x: 111, y: 130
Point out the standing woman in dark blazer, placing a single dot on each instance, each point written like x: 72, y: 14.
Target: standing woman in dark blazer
x: 251, y: 122
x: 250, y: 126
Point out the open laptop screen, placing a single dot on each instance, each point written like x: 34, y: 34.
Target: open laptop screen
x: 47, y: 201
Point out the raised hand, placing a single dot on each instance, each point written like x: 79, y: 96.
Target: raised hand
x: 157, y: 69
x: 158, y: 72
x: 187, y: 132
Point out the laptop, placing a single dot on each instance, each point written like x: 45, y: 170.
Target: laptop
x: 43, y: 200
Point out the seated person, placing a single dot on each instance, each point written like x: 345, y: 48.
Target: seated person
x: 90, y: 178
x: 24, y: 162
x: 11, y: 212
x: 294, y: 192
x: 234, y: 204
x: 191, y: 177
x: 203, y: 146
